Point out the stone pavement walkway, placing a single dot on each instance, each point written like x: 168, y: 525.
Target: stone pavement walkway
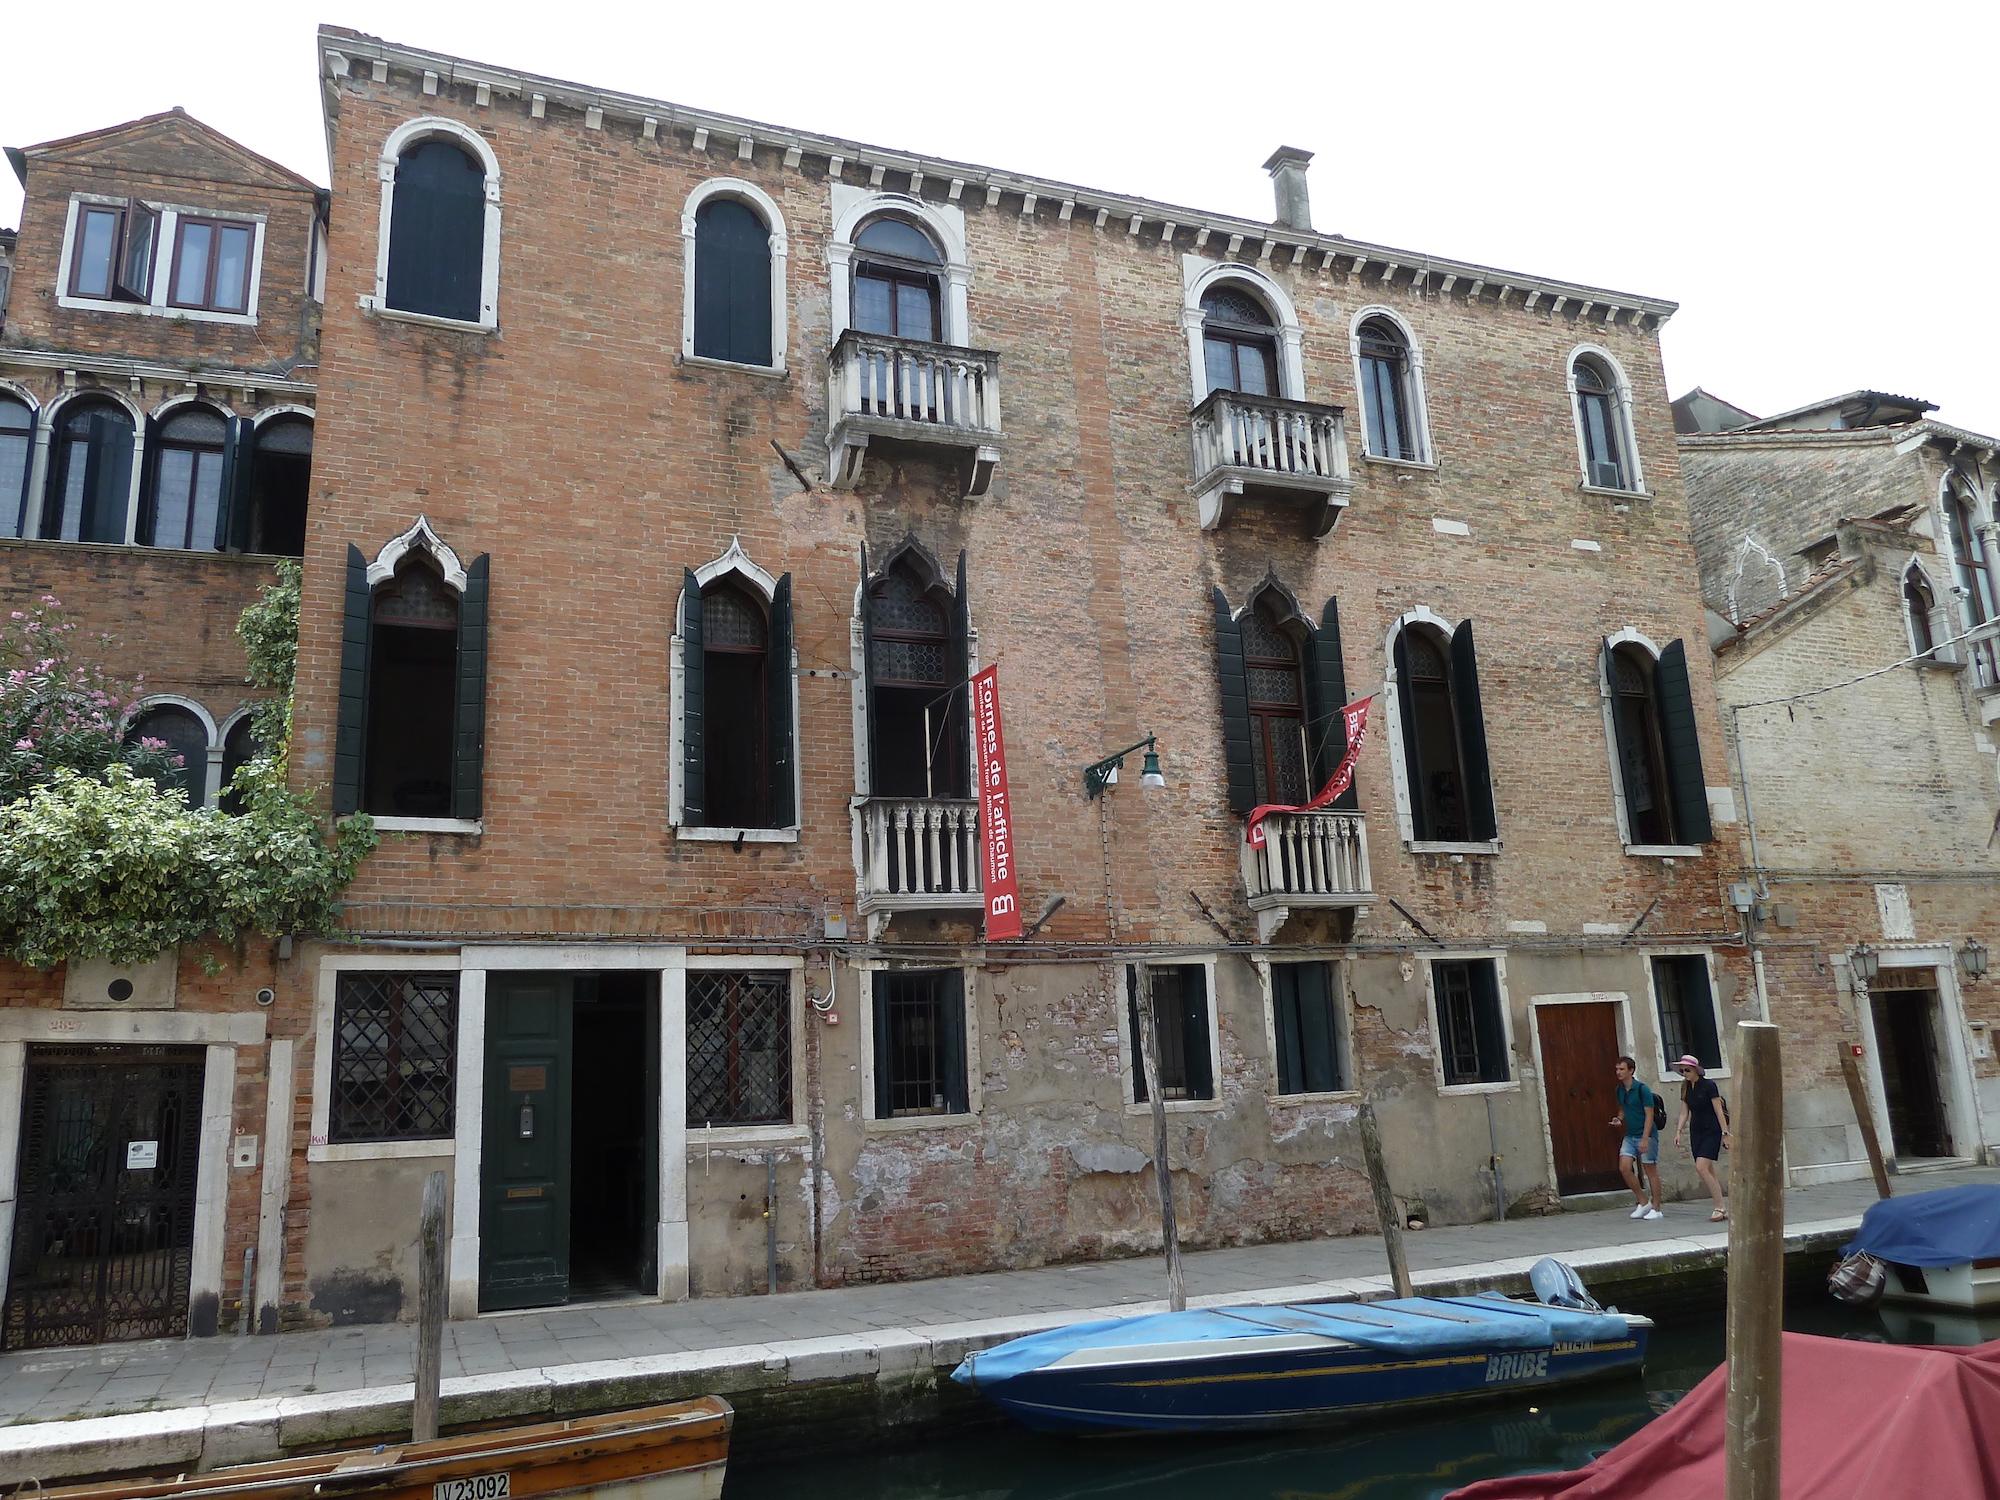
x: 161, y: 1374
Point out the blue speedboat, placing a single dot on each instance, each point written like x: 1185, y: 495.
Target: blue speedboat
x: 1249, y: 1367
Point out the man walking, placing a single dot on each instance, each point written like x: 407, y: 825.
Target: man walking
x: 1641, y: 1147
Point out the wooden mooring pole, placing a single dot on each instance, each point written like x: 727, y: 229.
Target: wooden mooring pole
x: 1756, y: 1318
x: 1149, y: 1053
x: 430, y: 1310
x: 1385, y: 1199
x: 1850, y: 1067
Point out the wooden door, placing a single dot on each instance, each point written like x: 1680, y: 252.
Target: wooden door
x: 1579, y: 1062
x: 524, y: 1166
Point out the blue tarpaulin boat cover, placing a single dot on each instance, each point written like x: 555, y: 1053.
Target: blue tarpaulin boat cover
x: 1413, y: 1325
x: 1945, y: 1227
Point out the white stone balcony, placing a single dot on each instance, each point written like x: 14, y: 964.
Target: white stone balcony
x: 1309, y: 860
x: 911, y: 392
x: 916, y: 854
x: 1261, y: 445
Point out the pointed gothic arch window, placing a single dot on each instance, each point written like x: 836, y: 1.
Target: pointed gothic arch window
x: 1663, y: 792
x: 1921, y: 605
x: 735, y: 701
x: 1974, y: 570
x: 916, y: 688
x: 1277, y: 695
x: 1642, y: 760
x: 736, y: 648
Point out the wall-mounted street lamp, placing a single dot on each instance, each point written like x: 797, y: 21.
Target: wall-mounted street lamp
x: 1104, y: 773
x: 1867, y: 964
x: 1972, y: 958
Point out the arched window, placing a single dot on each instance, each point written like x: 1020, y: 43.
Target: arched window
x: 1651, y: 704
x: 1975, y: 577
x: 437, y: 232
x: 182, y: 732
x: 732, y: 283
x: 1444, y: 735
x: 916, y: 697
x: 1642, y: 761
x: 90, y: 474
x: 1277, y: 695
x: 1598, y: 415
x: 735, y: 664
x: 1239, y: 342
x: 412, y: 682
x: 280, y: 481
x: 17, y: 450
x: 898, y: 281
x: 239, y: 748
x: 1920, y: 602
x: 1385, y: 391
x: 186, y: 507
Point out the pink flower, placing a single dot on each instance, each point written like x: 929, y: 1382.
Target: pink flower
x: 24, y: 744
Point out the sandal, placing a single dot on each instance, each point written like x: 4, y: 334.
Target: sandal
x: 1718, y: 1216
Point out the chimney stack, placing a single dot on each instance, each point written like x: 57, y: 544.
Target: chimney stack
x: 1287, y: 167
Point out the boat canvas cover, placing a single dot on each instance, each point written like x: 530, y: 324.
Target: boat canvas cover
x: 1411, y: 1325
x: 1861, y: 1421
x: 1945, y: 1227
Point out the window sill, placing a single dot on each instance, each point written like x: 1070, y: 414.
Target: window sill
x: 374, y: 309
x: 700, y: 1138
x: 389, y: 824
x: 901, y: 1123
x: 1667, y: 851
x: 1598, y: 489
x: 708, y: 362
x: 154, y: 310
x: 1176, y: 1107
x: 707, y: 835
x: 1512, y: 1086
x: 1335, y: 1096
x: 379, y: 1150
x: 1420, y: 466
x: 1452, y: 846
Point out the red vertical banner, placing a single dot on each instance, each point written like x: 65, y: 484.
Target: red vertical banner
x: 996, y: 820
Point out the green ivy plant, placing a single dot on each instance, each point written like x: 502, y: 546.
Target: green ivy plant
x: 100, y: 855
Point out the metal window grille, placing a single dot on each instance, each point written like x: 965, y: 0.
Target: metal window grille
x: 1461, y: 1031
x: 913, y: 1043
x: 395, y: 1045
x: 739, y: 1049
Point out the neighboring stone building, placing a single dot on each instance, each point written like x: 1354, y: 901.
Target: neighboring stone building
x: 1849, y: 547
x: 156, y: 423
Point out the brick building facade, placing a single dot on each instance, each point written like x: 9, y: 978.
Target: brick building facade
x: 1849, y: 545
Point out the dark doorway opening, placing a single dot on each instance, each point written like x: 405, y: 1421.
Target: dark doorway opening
x: 1905, y: 1003
x: 613, y: 1137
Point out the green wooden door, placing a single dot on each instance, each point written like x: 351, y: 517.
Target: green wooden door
x: 524, y: 1166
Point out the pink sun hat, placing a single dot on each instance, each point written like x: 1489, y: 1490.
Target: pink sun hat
x: 1689, y: 1062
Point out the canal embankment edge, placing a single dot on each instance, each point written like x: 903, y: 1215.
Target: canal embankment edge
x: 793, y: 1398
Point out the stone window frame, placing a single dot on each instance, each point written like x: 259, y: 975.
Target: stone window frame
x: 765, y: 207
x: 48, y: 418
x: 1983, y: 518
x: 165, y: 247
x: 1627, y: 432
x: 732, y: 561
x: 1390, y: 727
x: 1513, y: 1083
x: 865, y: 970
x: 794, y: 966
x: 1415, y: 399
x: 944, y: 222
x: 1128, y: 1063
x: 1944, y: 652
x: 1664, y: 1064
x: 331, y: 967
x: 857, y: 649
x: 1607, y: 702
x: 412, y: 133
x: 1199, y: 276
x: 1343, y: 1002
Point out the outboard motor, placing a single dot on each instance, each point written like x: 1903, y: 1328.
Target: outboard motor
x: 1557, y: 1285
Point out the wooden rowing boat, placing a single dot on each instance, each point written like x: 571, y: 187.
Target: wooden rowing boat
x: 673, y: 1452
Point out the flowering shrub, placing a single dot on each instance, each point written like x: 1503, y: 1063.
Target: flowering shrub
x: 99, y: 861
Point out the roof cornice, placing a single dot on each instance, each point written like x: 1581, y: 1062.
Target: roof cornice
x: 1142, y: 218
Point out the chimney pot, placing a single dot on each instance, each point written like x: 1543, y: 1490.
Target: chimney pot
x: 1287, y: 167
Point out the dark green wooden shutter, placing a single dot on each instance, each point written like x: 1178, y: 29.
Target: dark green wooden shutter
x: 1285, y: 1025
x: 951, y: 1033
x: 107, y: 480
x: 732, y: 284
x: 694, y: 761
x: 1489, y: 1031
x: 1139, y: 1094
x: 1472, y: 758
x: 437, y: 232
x: 778, y: 707
x: 959, y: 783
x: 149, y: 485
x: 239, y: 462
x: 885, y: 1094
x: 1235, y: 691
x: 868, y: 675
x: 468, y: 761
x: 1413, y: 762
x: 1621, y: 740
x: 1326, y: 696
x: 1318, y: 1043
x: 350, y: 735
x: 1194, y: 1031
x: 1683, y: 747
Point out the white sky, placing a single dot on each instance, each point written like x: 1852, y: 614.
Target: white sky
x: 1813, y: 183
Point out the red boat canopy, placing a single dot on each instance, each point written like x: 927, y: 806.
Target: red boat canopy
x: 1861, y: 1421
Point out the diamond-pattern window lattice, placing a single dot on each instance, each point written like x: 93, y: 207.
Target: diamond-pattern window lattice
x: 1263, y: 638
x: 395, y: 1043
x: 417, y: 597
x: 1426, y: 661
x: 909, y: 661
x: 899, y: 604
x: 739, y: 1049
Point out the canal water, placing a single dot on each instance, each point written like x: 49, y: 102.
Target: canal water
x: 1408, y: 1460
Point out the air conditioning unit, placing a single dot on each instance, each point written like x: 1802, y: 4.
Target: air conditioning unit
x: 1605, y: 475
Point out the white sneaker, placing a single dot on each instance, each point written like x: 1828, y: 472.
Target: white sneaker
x: 1651, y: 1213
x: 1638, y: 1212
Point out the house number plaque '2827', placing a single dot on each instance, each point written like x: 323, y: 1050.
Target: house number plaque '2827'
x: 478, y: 1487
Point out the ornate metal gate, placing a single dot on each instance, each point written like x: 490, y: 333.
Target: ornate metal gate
x: 104, y: 1210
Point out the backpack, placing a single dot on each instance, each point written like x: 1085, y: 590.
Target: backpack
x: 1659, y: 1111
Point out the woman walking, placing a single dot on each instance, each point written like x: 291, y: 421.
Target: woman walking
x: 1705, y: 1121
